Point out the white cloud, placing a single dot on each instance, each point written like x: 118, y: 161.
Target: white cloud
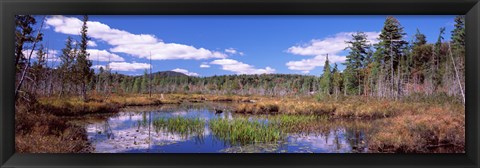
x: 125, y: 66
x: 204, y: 65
x: 91, y: 43
x: 103, y: 55
x: 52, y: 55
x: 72, y: 25
x: 139, y: 45
x: 329, y: 45
x: 233, y: 51
x: 306, y: 65
x: 240, y: 67
x: 184, y: 71
x: 167, y: 51
x: 318, y: 48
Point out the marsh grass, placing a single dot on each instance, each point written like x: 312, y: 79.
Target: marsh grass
x: 425, y: 131
x: 244, y: 131
x: 369, y: 110
x: 75, y: 106
x: 38, y: 131
x: 180, y: 125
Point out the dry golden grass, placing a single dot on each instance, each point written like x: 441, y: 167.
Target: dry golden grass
x: 425, y: 131
x: 75, y: 106
x: 372, y: 109
x: 38, y: 131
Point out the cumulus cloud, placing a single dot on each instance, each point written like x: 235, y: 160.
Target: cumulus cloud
x: 204, y: 65
x: 329, y: 45
x: 103, y: 55
x: 186, y: 72
x: 91, y: 43
x: 52, y: 55
x: 306, y: 65
x: 240, y: 67
x: 167, y: 51
x: 125, y: 66
x: 318, y: 48
x: 233, y: 51
x: 139, y: 45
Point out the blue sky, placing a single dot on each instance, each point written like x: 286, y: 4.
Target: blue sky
x: 218, y: 45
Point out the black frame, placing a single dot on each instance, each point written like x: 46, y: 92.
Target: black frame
x: 470, y: 8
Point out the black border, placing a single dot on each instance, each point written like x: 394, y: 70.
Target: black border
x: 8, y: 8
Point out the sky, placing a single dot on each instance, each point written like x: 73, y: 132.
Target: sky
x: 207, y: 45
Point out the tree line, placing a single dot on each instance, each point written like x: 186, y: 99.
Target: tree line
x: 40, y: 77
x: 394, y: 68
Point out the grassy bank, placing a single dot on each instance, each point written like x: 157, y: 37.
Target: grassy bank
x: 39, y: 131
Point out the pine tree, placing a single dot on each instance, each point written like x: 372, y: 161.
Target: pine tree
x: 391, y: 47
x: 457, y: 53
x: 38, y: 68
x: 356, y: 61
x: 67, y: 59
x: 145, y: 79
x: 83, y: 65
x: 326, y: 78
x: 337, y: 80
x: 24, y: 34
x: 137, y: 85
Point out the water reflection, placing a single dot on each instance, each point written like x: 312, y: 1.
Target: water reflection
x: 133, y: 131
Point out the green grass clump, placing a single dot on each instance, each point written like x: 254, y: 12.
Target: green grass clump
x: 243, y: 131
x: 180, y: 125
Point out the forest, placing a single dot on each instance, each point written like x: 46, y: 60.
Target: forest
x: 389, y: 74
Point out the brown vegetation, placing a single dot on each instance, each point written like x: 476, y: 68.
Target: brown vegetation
x: 38, y: 131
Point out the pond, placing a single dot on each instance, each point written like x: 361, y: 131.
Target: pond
x: 189, y: 128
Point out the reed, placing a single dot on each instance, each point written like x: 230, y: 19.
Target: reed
x: 244, y: 131
x: 180, y: 125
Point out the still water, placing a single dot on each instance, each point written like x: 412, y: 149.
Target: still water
x: 132, y: 131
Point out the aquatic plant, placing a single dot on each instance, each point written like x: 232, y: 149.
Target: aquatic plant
x: 181, y: 125
x: 244, y: 131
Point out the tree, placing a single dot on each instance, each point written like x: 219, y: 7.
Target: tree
x: 356, y: 61
x: 145, y: 80
x: 67, y: 59
x: 23, y: 33
x: 421, y: 58
x: 38, y: 68
x: 391, y: 47
x: 457, y: 53
x: 84, y: 72
x: 326, y: 78
x: 337, y: 80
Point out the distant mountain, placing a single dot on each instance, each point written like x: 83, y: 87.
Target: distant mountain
x: 167, y: 73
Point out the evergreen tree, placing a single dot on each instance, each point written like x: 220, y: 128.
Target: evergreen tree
x: 391, y: 47
x: 144, y: 86
x: 356, y: 61
x: 326, y: 78
x: 67, y: 59
x: 24, y: 34
x: 84, y: 73
x: 337, y: 80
